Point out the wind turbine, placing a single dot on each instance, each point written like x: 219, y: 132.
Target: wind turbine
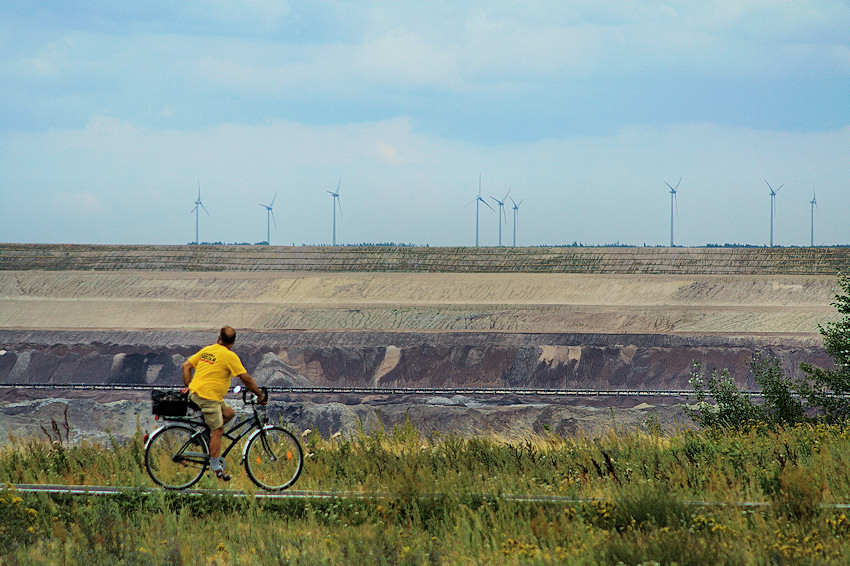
x: 197, y: 210
x: 516, y: 211
x: 814, y: 203
x: 673, y: 200
x: 501, y: 204
x: 336, y: 203
x: 772, y: 207
x: 269, y: 216
x: 476, y: 201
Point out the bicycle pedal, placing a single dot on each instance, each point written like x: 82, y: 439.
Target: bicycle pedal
x: 222, y: 475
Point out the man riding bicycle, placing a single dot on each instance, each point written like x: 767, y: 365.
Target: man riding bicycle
x: 213, y: 367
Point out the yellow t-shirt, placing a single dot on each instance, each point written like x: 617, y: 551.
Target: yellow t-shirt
x: 214, y: 366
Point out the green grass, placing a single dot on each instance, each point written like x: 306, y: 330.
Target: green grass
x: 442, y: 502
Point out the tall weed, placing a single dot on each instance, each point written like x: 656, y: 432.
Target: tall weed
x: 443, y: 499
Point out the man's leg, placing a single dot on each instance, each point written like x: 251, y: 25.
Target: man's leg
x: 215, y: 442
x: 216, y: 463
x: 227, y: 413
x: 214, y: 416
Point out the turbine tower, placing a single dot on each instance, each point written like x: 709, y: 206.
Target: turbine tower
x: 673, y: 201
x: 814, y: 203
x: 501, y: 214
x: 772, y: 207
x: 476, y: 200
x: 336, y: 203
x: 269, y: 218
x: 516, y: 211
x: 197, y: 210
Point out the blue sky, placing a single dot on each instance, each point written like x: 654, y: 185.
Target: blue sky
x: 111, y: 113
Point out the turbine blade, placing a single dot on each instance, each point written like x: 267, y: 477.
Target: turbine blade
x: 204, y: 207
x: 504, y: 198
x: 677, y: 184
x: 668, y: 184
x: 338, y: 185
x: 339, y: 204
x: 488, y: 204
x: 271, y: 204
x: 273, y: 220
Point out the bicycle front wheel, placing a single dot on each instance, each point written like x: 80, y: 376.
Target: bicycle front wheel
x: 176, y: 456
x: 273, y: 458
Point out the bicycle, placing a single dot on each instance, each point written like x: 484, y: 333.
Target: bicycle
x: 177, y: 453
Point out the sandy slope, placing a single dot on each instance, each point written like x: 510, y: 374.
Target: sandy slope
x: 776, y: 306
x: 417, y: 301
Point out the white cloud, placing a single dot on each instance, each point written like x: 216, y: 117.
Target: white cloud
x: 582, y: 108
x: 403, y: 59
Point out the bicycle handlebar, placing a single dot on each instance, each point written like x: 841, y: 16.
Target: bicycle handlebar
x: 252, y: 400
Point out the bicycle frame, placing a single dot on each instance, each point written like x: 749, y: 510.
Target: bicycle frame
x: 256, y: 422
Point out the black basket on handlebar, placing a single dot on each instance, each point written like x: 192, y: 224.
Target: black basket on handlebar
x: 169, y: 403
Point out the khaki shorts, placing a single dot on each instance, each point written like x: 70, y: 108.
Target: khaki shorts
x: 211, y: 410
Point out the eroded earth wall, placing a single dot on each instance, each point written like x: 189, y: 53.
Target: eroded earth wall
x: 578, y: 318
x: 380, y: 359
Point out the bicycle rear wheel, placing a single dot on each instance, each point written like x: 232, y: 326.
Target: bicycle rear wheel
x: 273, y: 458
x: 176, y: 456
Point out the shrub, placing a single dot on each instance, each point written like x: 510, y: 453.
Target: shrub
x: 20, y: 523
x: 829, y: 389
x: 731, y: 408
x: 795, y: 493
x: 782, y: 403
x: 785, y: 402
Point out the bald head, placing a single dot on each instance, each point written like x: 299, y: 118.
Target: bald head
x: 226, y: 336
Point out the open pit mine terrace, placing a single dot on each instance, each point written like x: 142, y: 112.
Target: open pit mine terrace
x: 440, y: 318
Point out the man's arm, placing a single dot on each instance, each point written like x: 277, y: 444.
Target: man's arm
x: 249, y: 382
x: 187, y: 374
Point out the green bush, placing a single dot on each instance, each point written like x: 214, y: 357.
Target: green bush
x: 19, y: 521
x: 732, y: 408
x: 825, y: 392
x: 829, y: 390
x: 795, y: 493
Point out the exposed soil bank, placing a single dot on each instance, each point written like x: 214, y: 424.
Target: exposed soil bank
x: 99, y: 415
x: 361, y: 358
x: 432, y: 317
x: 445, y: 359
x: 500, y: 302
